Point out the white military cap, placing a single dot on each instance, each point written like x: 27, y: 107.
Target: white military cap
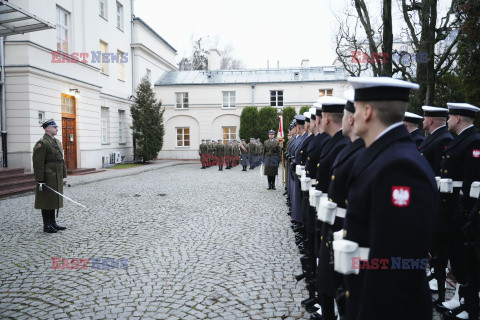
x: 412, y: 118
x: 462, y: 109
x: 332, y: 104
x: 381, y: 88
x: 429, y: 111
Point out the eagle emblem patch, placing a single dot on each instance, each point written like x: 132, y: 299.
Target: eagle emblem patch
x: 400, y: 196
x: 476, y: 153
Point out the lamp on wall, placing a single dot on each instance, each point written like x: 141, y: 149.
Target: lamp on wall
x: 75, y: 91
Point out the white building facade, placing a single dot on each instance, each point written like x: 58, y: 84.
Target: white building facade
x: 82, y: 74
x: 208, y: 104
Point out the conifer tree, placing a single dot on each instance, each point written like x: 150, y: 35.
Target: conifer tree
x: 148, y: 128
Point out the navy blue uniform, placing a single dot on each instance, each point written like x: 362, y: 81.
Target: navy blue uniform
x: 417, y: 137
x: 433, y: 146
x: 391, y: 193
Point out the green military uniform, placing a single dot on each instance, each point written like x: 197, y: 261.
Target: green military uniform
x: 228, y: 153
x: 49, y: 168
x: 251, y: 152
x: 220, y: 153
x: 202, y: 151
x: 271, y: 153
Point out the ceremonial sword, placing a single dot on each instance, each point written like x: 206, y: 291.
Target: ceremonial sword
x: 40, y: 187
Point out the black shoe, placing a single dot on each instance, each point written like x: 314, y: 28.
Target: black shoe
x: 49, y: 229
x: 316, y: 316
x: 452, y: 314
x: 300, y: 277
x: 56, y: 226
x: 309, y: 302
x: 203, y: 167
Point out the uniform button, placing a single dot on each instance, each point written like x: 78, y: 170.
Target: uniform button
x: 333, y: 178
x: 448, y: 157
x: 347, y: 294
x: 318, y: 165
x: 421, y: 153
x: 444, y: 200
x: 321, y: 238
x: 346, y: 202
x: 344, y: 233
x: 330, y: 199
x: 316, y: 183
x: 443, y: 157
x: 308, y: 172
x: 326, y: 244
x: 301, y: 151
x: 445, y: 171
x: 308, y: 158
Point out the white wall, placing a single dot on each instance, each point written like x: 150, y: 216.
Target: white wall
x: 205, y: 109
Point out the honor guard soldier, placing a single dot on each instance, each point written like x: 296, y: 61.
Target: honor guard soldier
x: 220, y: 154
x: 314, y: 150
x: 435, y: 123
x: 49, y: 171
x: 251, y: 152
x: 332, y: 114
x: 412, y: 121
x: 460, y: 167
x: 244, y: 155
x: 202, y: 151
x: 271, y: 154
x: 392, y: 195
x: 228, y: 152
x: 296, y: 191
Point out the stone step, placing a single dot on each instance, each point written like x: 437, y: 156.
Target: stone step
x: 10, y: 171
x: 17, y: 190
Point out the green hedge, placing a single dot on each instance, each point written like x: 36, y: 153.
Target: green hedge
x: 249, y: 123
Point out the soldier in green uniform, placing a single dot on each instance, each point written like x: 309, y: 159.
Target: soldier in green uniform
x: 220, y: 153
x: 49, y: 169
x: 271, y: 154
x: 228, y: 154
x: 202, y: 151
x: 251, y: 152
x: 244, y: 154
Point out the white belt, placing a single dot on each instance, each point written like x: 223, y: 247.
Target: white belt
x: 447, y: 185
x: 341, y: 212
x: 338, y: 235
x: 475, y: 190
x: 347, y: 256
x: 298, y: 170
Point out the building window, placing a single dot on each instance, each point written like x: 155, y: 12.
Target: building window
x: 276, y: 98
x: 183, y: 137
x: 41, y: 117
x: 103, y: 8
x: 325, y: 92
x: 68, y: 104
x: 121, y: 67
x: 182, y: 100
x: 121, y: 123
x: 104, y: 124
x: 148, y: 74
x: 229, y: 134
x: 103, y: 49
x: 119, y: 16
x: 63, y: 22
x: 228, y: 99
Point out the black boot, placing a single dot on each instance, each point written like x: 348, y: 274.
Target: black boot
x: 54, y: 223
x: 47, y: 227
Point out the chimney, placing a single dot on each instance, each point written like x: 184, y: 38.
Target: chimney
x: 305, y: 63
x: 214, y: 60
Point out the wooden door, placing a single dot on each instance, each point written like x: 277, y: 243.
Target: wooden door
x: 69, y: 132
x: 69, y: 142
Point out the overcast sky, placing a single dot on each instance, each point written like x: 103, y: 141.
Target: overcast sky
x: 259, y: 30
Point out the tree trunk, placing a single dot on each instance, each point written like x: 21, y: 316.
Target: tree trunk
x: 387, y: 46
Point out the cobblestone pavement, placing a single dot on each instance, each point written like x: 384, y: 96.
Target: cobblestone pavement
x: 200, y: 244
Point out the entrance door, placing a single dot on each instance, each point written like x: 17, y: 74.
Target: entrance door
x: 69, y: 142
x: 69, y: 132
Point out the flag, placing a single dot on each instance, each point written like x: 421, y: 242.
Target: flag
x: 280, y: 129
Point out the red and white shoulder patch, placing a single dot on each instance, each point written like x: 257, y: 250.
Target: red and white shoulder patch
x: 400, y: 196
x: 476, y: 153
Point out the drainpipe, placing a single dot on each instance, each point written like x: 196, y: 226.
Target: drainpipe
x: 253, y: 95
x: 132, y: 58
x: 3, y: 103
